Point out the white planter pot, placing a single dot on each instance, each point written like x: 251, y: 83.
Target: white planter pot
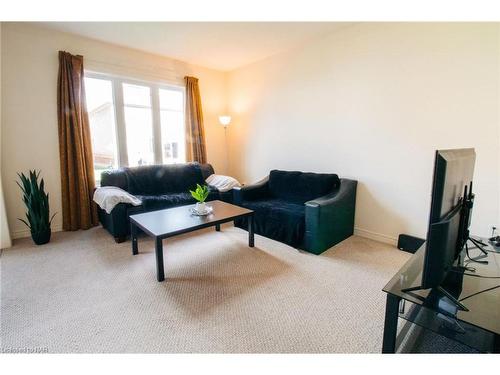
x: 201, y: 207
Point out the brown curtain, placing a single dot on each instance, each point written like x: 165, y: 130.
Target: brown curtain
x: 75, y: 148
x: 195, y: 133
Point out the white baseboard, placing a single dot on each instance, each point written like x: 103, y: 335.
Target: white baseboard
x: 375, y: 236
x: 23, y: 233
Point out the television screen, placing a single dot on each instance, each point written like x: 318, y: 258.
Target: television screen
x: 453, y: 172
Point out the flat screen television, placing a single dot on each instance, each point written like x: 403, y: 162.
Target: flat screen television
x: 449, y: 220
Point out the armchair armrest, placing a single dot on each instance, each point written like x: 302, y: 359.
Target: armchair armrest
x: 330, y: 219
x: 251, y: 192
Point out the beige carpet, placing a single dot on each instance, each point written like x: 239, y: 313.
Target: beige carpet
x: 85, y: 293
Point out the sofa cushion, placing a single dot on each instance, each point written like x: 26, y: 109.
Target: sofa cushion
x: 300, y: 187
x: 161, y: 201
x: 164, y: 179
x: 158, y: 202
x: 278, y: 219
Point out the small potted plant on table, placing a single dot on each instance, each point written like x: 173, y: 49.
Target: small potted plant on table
x: 37, y: 205
x: 200, y: 194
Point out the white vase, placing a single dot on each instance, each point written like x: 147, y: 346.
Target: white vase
x: 201, y: 207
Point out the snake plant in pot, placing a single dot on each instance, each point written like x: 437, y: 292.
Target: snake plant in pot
x: 37, y: 207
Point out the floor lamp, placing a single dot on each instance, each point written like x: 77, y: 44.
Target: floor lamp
x: 225, y: 121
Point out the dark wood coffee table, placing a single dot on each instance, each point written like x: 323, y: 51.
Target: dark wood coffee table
x: 173, y: 221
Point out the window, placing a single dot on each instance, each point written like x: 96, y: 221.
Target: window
x: 134, y: 123
x: 139, y: 124
x: 101, y: 109
x: 172, y: 126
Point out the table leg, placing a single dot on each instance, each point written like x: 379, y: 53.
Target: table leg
x: 250, y: 231
x: 133, y: 235
x: 217, y: 227
x: 160, y: 274
x: 390, y: 324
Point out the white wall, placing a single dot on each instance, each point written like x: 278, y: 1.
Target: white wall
x: 4, y: 228
x: 29, y: 102
x: 372, y: 102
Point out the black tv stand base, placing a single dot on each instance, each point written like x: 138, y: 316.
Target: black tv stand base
x: 479, y: 244
x: 434, y: 311
x: 442, y: 291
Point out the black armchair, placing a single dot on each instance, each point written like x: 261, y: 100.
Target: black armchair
x: 309, y: 211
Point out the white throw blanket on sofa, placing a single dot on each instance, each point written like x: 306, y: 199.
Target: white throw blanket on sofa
x: 107, y: 197
x: 222, y: 183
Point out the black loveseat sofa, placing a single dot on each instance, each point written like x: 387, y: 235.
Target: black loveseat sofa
x: 157, y: 186
x: 310, y: 211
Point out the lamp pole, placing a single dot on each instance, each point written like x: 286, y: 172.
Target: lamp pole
x: 227, y: 151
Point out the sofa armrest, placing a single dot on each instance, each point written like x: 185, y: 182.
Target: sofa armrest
x: 115, y: 177
x: 206, y: 170
x: 251, y: 192
x: 116, y: 222
x: 330, y: 219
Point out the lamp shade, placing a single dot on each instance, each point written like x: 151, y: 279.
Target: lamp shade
x: 225, y: 120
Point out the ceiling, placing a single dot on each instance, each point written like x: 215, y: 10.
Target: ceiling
x: 218, y: 45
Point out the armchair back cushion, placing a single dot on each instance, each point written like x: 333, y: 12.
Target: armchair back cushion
x: 300, y: 187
